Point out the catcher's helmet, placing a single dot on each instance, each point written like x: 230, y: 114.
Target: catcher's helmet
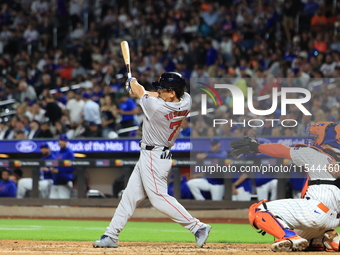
x: 171, y: 81
x: 325, y: 133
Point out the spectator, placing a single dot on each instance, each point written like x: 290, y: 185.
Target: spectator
x: 53, y: 111
x: 4, y: 130
x: 211, y: 54
x: 30, y: 35
x: 127, y: 109
x: 5, y: 14
x: 39, y: 7
x: 19, y: 135
x: 226, y: 49
x: 78, y: 71
x: 5, y: 36
x: 276, y: 131
x: 45, y: 180
x: 328, y: 67
x: 310, y: 8
x: 44, y: 82
x: 319, y: 21
x: 11, y: 93
x: 248, y: 41
x: 59, y: 129
x: 26, y: 91
x: 109, y: 114
x: 75, y: 10
x: 75, y: 106
x: 319, y: 44
x: 36, y: 113
x: 97, y: 94
x: 170, y: 28
x: 211, y: 16
x: 78, y: 32
x: 45, y: 30
x: 328, y: 100
x: 45, y: 131
x: 91, y: 110
x: 7, y: 186
x: 19, y: 127
x: 228, y: 25
x: 62, y: 176
x: 109, y: 17
x: 289, y: 12
x: 92, y: 130
x: 35, y: 130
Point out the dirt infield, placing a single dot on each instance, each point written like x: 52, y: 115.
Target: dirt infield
x: 209, y: 220
x: 16, y: 247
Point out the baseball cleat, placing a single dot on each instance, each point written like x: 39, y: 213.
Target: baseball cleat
x: 202, y: 235
x: 105, y: 242
x: 291, y: 244
x: 315, y: 244
x: 331, y: 240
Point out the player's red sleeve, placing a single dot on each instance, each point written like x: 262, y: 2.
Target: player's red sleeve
x: 275, y: 150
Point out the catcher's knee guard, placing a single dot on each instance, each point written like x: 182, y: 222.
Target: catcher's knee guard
x: 267, y: 222
x: 331, y: 240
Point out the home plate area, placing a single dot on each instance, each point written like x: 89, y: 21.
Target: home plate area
x: 14, y: 247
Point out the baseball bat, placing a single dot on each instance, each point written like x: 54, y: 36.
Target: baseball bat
x: 126, y: 55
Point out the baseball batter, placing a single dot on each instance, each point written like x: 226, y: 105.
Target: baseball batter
x: 310, y: 222
x: 164, y: 111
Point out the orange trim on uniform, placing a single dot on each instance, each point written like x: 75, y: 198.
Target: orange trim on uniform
x: 275, y: 150
x: 266, y: 221
x: 305, y: 188
x: 324, y: 208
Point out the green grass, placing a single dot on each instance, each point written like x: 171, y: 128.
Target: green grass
x: 70, y: 230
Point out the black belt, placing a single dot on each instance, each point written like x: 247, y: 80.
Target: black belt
x: 327, y: 182
x: 150, y: 147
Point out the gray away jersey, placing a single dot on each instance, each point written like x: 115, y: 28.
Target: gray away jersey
x: 162, y: 120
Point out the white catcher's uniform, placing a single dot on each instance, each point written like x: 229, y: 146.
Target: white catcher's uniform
x: 161, y: 126
x: 318, y: 211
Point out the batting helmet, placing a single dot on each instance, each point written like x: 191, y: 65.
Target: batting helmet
x: 171, y: 81
x: 325, y: 133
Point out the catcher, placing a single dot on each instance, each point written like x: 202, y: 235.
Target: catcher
x: 308, y: 223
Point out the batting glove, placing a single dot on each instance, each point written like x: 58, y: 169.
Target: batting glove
x: 129, y: 80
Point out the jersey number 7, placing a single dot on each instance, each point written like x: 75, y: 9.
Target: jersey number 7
x: 175, y: 126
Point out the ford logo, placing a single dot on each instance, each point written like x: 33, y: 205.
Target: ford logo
x: 26, y: 146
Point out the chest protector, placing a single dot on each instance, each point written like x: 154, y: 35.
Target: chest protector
x: 329, y: 152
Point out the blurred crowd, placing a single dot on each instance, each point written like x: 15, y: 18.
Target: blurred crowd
x: 61, y: 68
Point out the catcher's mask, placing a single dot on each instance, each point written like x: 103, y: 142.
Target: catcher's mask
x: 325, y: 133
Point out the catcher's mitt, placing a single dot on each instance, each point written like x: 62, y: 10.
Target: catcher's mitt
x: 244, y: 145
